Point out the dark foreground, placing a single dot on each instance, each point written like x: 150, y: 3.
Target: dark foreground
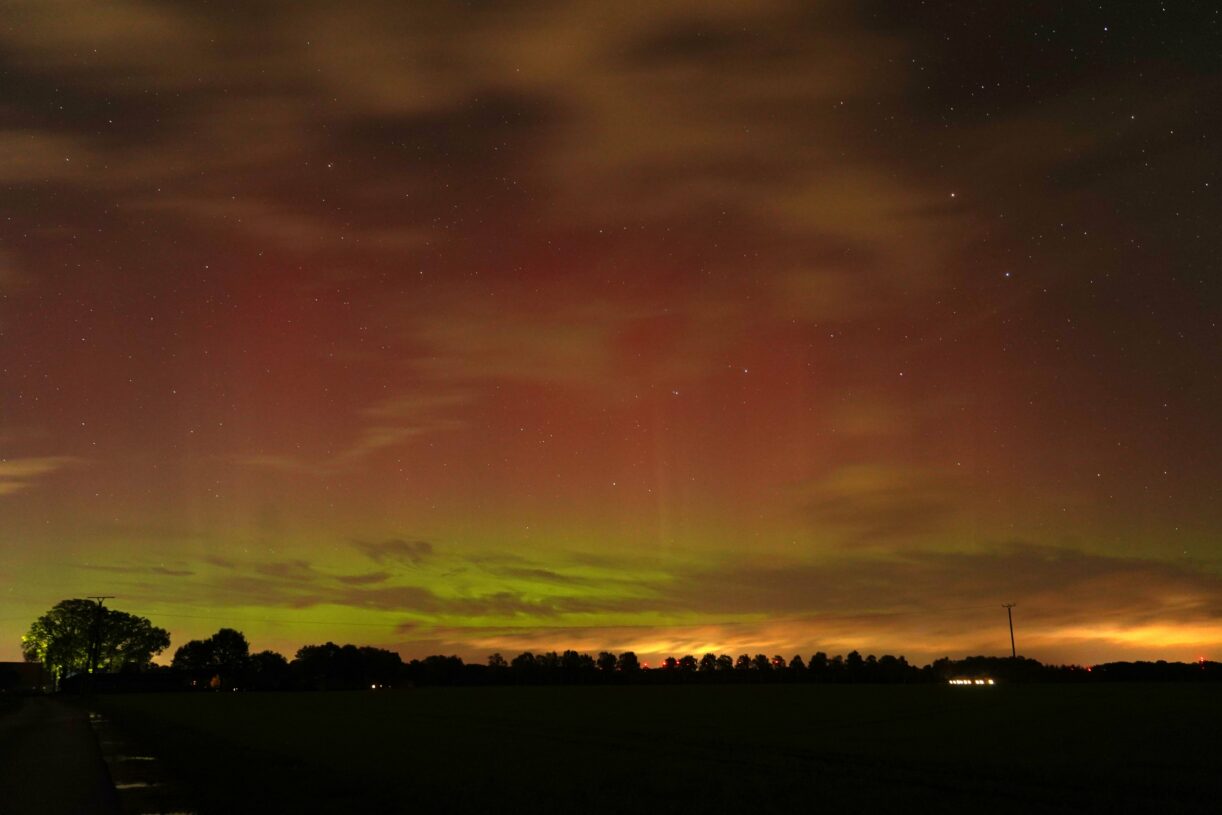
x: 690, y: 749
x: 49, y: 760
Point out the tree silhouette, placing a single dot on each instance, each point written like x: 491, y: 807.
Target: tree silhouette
x: 628, y: 663
x: 818, y: 666
x: 854, y: 666
x: 267, y: 670
x: 330, y: 666
x: 437, y: 669
x: 708, y: 663
x: 547, y: 666
x: 607, y: 662
x: 195, y: 655
x: 314, y: 664
x: 61, y: 639
x: 575, y: 667
x: 381, y: 667
x: 229, y: 648
x: 498, y: 669
x: 890, y: 669
x: 523, y: 667
x: 224, y: 654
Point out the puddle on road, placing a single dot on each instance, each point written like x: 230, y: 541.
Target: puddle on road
x: 137, y: 777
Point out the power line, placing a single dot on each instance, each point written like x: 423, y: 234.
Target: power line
x: 283, y: 621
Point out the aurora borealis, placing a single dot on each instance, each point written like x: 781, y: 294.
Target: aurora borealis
x: 672, y: 327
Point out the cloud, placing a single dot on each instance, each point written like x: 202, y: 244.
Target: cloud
x: 502, y: 604
x: 286, y: 226
x: 27, y: 156
x: 18, y: 474
x: 927, y: 599
x: 933, y: 600
x: 159, y: 569
x: 220, y: 562
x: 398, y: 420
x: 295, y: 584
x: 479, y: 342
x: 364, y: 579
x: 289, y: 570
x: 131, y: 38
x: 534, y: 573
x: 922, y: 603
x: 662, y: 116
x: 387, y: 223
x: 10, y: 274
x: 885, y: 504
x: 1071, y: 606
x: 388, y: 424
x: 396, y: 550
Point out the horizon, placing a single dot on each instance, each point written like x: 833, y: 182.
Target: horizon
x: 671, y: 328
x: 648, y: 658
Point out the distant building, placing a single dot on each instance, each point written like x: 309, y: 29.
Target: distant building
x: 24, y: 677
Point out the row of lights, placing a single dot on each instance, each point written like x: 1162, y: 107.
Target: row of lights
x: 972, y: 682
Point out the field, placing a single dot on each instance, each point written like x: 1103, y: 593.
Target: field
x: 690, y: 749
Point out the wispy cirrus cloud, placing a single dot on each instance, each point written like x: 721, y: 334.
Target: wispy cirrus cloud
x: 364, y: 579
x: 154, y: 569
x: 396, y: 550
x: 18, y: 474
x: 885, y: 505
x: 386, y: 425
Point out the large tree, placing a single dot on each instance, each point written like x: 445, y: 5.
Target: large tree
x: 61, y: 639
x: 330, y: 666
x: 226, y: 650
x: 628, y: 663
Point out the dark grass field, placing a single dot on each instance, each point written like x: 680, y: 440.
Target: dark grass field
x: 1103, y: 748
x: 9, y: 702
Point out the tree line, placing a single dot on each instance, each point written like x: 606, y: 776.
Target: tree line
x: 79, y: 642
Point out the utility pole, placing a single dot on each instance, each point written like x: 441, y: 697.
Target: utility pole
x: 1009, y: 607
x: 95, y: 639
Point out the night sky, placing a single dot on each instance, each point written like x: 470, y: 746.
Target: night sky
x: 673, y: 327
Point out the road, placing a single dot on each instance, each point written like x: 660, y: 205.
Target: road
x: 50, y: 762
